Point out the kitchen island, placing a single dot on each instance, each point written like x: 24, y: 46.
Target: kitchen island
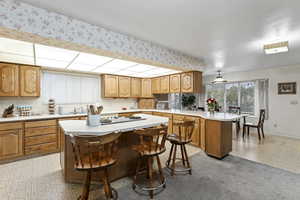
x: 127, y: 158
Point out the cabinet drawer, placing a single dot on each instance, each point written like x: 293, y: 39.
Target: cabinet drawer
x: 40, y: 139
x: 40, y: 123
x: 40, y: 131
x: 9, y: 126
x: 41, y: 148
x: 70, y: 118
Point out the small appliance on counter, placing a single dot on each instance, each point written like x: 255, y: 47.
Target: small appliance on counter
x: 51, y: 106
x: 162, y: 105
x: 24, y: 110
x: 9, y: 111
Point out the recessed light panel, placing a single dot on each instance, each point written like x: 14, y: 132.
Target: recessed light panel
x: 16, y: 47
x: 53, y: 53
x: 15, y: 58
x: 51, y: 63
x: 115, y: 65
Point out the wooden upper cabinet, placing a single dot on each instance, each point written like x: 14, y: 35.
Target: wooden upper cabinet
x: 124, y: 86
x: 136, y: 89
x: 110, y: 86
x: 191, y: 82
x: 29, y: 81
x: 175, y: 83
x: 146, y: 88
x: 165, y: 84
x: 156, y: 85
x: 9, y: 83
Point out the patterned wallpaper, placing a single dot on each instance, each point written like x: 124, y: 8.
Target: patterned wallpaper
x: 26, y: 18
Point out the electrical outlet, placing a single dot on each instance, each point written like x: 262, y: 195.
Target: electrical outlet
x: 275, y: 125
x: 294, y: 102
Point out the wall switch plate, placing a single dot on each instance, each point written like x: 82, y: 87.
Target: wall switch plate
x: 294, y: 102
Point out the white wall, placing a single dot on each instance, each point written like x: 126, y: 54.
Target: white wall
x: 39, y: 105
x: 284, y: 116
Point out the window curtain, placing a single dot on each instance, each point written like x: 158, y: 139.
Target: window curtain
x: 263, y: 96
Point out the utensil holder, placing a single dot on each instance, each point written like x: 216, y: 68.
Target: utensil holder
x: 93, y: 120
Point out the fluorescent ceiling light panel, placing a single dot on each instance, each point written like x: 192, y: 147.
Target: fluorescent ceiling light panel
x: 16, y: 47
x: 81, y: 67
x: 115, y: 65
x: 278, y: 47
x: 15, y: 58
x: 140, y: 68
x: 51, y: 63
x: 53, y: 53
x: 125, y: 72
x: 90, y: 59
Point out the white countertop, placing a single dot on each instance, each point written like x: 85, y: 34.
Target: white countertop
x: 216, y: 116
x: 79, y: 127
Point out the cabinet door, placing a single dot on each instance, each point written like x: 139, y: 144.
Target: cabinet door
x: 187, y: 82
x: 136, y: 89
x: 170, y: 123
x: 165, y: 84
x: 156, y: 85
x: 175, y: 83
x: 202, y: 134
x: 11, y: 143
x: 29, y: 81
x: 124, y: 86
x: 196, y: 131
x: 9, y: 83
x: 146, y: 88
x: 110, y: 86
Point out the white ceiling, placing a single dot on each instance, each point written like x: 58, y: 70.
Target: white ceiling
x: 35, y: 54
x: 227, y: 34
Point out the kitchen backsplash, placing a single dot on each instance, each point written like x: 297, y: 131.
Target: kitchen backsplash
x: 39, y: 107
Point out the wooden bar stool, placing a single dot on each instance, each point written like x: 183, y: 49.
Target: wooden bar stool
x: 95, y: 153
x: 151, y: 145
x: 180, y: 138
x: 236, y: 110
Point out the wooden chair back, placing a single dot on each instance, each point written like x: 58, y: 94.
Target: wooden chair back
x: 94, y: 151
x: 262, y: 116
x: 185, y: 129
x: 234, y: 109
x: 152, y: 140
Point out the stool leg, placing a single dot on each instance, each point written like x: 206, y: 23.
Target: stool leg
x: 174, y: 160
x: 162, y: 178
x: 86, y: 188
x: 107, y: 187
x: 187, y: 159
x: 170, y: 155
x: 150, y: 176
x: 137, y: 169
x: 258, y: 132
x: 182, y: 155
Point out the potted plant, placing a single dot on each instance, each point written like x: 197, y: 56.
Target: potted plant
x: 188, y: 101
x: 212, y: 104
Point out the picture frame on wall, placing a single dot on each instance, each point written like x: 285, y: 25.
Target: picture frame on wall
x: 287, y: 88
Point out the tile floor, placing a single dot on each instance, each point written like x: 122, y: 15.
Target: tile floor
x: 35, y: 179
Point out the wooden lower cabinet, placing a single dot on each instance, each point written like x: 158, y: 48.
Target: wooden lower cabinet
x: 41, y: 137
x: 196, y: 137
x: 11, y: 141
x: 218, y: 143
x: 170, y: 116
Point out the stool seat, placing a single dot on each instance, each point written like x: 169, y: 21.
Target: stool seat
x: 173, y: 138
x: 148, y: 149
x: 94, y: 163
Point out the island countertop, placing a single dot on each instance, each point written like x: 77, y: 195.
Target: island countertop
x: 79, y: 127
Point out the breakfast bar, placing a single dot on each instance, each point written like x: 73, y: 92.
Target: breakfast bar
x: 127, y: 157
